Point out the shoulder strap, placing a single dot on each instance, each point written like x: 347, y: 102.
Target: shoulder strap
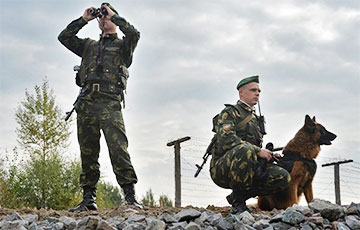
x: 87, y: 45
x: 245, y: 121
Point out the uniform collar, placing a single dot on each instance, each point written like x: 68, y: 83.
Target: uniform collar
x: 245, y: 106
x: 107, y: 36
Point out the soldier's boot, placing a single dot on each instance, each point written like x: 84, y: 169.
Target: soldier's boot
x: 88, y: 202
x: 129, y: 192
x: 238, y: 203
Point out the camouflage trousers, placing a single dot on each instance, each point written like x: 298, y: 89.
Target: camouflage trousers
x: 102, y: 114
x: 236, y: 170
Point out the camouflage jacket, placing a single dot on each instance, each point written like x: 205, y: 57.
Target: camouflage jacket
x: 105, y: 61
x: 228, y: 132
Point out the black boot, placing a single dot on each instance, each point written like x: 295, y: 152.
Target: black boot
x: 129, y: 192
x: 238, y: 203
x: 89, y: 201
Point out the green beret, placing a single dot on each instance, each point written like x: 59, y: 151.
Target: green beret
x: 247, y: 80
x: 110, y: 6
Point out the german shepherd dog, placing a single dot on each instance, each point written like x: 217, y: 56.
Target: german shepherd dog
x: 298, y: 159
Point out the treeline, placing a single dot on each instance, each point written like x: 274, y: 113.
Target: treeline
x: 39, y: 172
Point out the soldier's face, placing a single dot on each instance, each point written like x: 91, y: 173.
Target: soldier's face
x: 107, y: 26
x: 250, y: 93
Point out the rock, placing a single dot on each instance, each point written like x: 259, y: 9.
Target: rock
x: 14, y: 216
x: 89, y: 222
x: 315, y: 219
x: 293, y: 217
x: 31, y: 218
x: 214, y: 219
x: 103, y: 225
x: 68, y: 222
x: 327, y: 209
x: 306, y: 211
x: 339, y: 226
x: 13, y: 225
x: 168, y: 218
x: 178, y: 226
x: 192, y: 226
x: 187, y: 214
x: 224, y: 225
x: 353, y: 209
x: 261, y: 224
x: 135, y: 226
x: 115, y: 221
x: 353, y: 221
x: 281, y: 226
x: 246, y: 218
x: 155, y: 224
x: 277, y: 217
x: 136, y: 218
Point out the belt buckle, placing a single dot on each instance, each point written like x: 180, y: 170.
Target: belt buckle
x: 96, y: 87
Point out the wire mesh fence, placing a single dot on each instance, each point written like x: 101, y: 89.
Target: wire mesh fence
x: 202, y: 191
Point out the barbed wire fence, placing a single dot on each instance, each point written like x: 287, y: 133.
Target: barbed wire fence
x: 201, y: 191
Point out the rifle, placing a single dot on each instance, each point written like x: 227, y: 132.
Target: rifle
x: 77, y: 79
x: 208, y: 152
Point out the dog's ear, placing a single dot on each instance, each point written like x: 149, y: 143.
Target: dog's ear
x: 309, y: 124
x: 313, y: 119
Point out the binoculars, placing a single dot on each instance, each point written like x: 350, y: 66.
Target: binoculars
x: 99, y: 12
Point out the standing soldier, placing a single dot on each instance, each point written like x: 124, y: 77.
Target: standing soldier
x: 235, y: 162
x: 102, y: 76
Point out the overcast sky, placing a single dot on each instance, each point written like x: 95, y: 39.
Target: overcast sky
x: 189, y: 58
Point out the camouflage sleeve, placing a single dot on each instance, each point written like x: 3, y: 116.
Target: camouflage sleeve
x: 226, y: 129
x: 131, y: 37
x: 68, y: 37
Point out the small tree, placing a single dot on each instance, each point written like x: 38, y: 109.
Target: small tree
x: 148, y: 199
x: 45, y: 180
x: 165, y: 201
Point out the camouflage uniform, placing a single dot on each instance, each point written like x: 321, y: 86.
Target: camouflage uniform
x: 235, y: 162
x: 102, y: 76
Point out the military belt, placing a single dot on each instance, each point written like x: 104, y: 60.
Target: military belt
x: 103, y: 87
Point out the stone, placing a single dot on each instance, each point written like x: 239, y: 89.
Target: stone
x: 306, y: 211
x: 192, y: 226
x: 293, y: 217
x: 14, y: 216
x: 68, y: 222
x: 281, y: 226
x: 187, y: 214
x: 89, y: 222
x: 168, y: 218
x: 315, y: 219
x: 103, y: 225
x: 136, y: 218
x: 30, y: 218
x: 178, y: 226
x: 135, y: 226
x: 340, y: 226
x: 353, y: 209
x: 155, y: 224
x: 261, y: 224
x: 326, y: 208
x: 353, y: 221
x: 224, y: 224
x: 246, y: 218
x: 277, y: 217
x: 214, y: 219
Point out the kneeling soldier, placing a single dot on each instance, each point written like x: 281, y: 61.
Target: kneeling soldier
x: 236, y: 159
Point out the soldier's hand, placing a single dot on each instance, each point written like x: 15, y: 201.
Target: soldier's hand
x: 265, y: 154
x: 110, y: 13
x: 87, y: 16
